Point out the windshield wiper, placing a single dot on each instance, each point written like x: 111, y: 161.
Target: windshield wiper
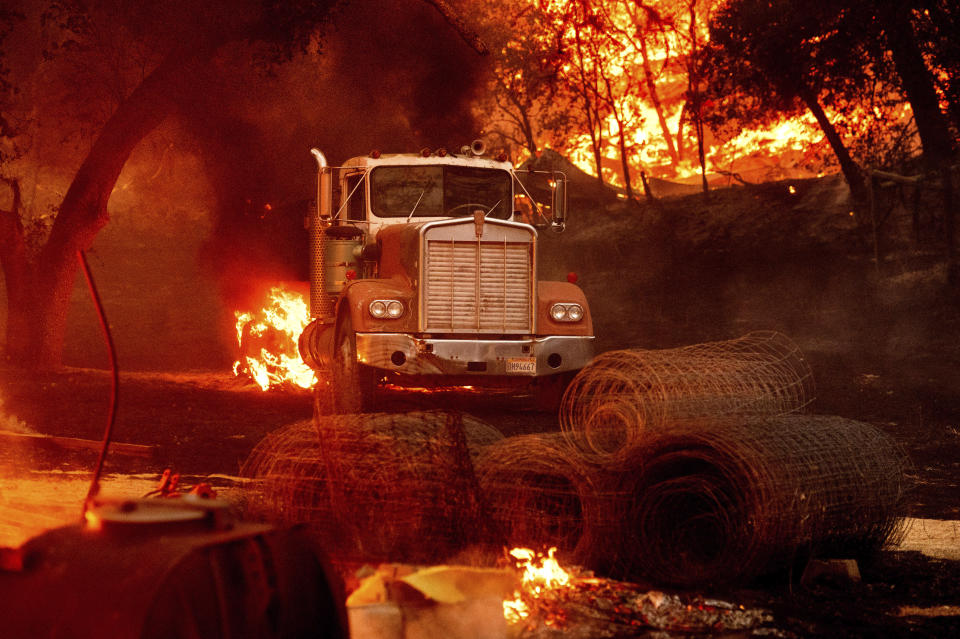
x: 418, y: 204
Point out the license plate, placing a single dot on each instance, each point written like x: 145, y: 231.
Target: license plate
x: 522, y: 365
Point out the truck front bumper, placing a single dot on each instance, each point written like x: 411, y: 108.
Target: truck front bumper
x: 532, y: 357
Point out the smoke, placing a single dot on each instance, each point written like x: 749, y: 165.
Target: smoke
x: 230, y: 177
x: 11, y: 423
x: 390, y: 75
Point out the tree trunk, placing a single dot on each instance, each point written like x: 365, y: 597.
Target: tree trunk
x: 851, y: 172
x: 84, y: 209
x: 657, y: 106
x: 621, y: 141
x: 17, y: 274
x: 932, y: 125
x: 918, y: 85
x: 694, y: 95
x: 625, y: 163
x: 526, y: 126
x: 594, y: 120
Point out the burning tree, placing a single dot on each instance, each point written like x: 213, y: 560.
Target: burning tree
x: 645, y: 83
x: 826, y: 58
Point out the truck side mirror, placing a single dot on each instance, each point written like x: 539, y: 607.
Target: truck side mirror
x: 324, y: 186
x: 559, y: 204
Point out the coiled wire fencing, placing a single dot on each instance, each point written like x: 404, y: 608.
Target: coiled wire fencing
x: 379, y: 486
x: 686, y: 467
x: 726, y: 501
x: 622, y: 396
x: 540, y: 494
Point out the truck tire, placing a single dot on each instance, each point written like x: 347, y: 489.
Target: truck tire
x: 353, y: 384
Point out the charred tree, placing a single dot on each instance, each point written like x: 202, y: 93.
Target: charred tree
x: 84, y: 209
x: 695, y: 97
x: 932, y: 125
x: 651, y: 84
x: 782, y: 56
x: 851, y: 172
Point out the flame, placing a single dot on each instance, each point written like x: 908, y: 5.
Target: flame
x: 433, y: 390
x: 540, y: 575
x: 268, y: 341
x: 657, y: 126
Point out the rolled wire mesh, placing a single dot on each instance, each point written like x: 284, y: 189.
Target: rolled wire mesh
x: 540, y: 493
x: 622, y: 395
x: 721, y: 502
x: 396, y: 487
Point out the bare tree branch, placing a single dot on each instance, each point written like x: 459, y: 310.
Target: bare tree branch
x: 460, y: 26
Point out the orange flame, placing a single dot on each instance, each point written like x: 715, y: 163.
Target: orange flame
x: 540, y: 574
x: 655, y: 115
x: 268, y: 342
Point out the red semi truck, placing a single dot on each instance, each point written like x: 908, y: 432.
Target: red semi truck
x: 424, y: 273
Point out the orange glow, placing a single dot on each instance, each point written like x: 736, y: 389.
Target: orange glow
x: 540, y: 574
x: 34, y: 502
x: 93, y: 522
x: 268, y: 342
x: 639, y: 77
x: 429, y: 390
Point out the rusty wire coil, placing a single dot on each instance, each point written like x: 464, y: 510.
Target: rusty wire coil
x: 716, y: 503
x: 540, y: 493
x: 623, y: 395
x: 397, y: 487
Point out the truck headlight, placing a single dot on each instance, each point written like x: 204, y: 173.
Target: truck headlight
x: 389, y: 309
x: 394, y: 309
x: 566, y: 312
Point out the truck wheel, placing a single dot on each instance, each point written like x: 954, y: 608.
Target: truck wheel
x: 353, y: 384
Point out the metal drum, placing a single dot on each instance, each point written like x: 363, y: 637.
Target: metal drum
x: 169, y: 569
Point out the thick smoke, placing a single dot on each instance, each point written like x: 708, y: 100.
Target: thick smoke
x: 391, y: 75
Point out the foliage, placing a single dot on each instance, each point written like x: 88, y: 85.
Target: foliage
x: 937, y: 23
x: 8, y: 20
x: 524, y: 105
x: 765, y: 55
x: 606, y: 83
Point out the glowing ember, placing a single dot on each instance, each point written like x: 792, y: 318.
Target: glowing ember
x: 428, y: 390
x: 268, y: 342
x: 540, y: 575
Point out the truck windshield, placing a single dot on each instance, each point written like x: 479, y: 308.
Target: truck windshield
x: 440, y: 191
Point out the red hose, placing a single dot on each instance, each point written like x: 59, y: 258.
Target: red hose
x: 115, y: 381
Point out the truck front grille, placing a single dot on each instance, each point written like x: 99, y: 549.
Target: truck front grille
x: 482, y: 287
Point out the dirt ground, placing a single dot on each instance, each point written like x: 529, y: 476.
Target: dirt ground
x: 882, y: 342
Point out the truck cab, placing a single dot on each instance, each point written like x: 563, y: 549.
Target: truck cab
x: 424, y: 273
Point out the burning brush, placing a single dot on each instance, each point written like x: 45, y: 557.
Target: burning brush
x: 267, y: 339
x: 552, y: 599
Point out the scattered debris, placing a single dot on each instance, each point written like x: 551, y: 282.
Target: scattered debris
x: 835, y: 571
